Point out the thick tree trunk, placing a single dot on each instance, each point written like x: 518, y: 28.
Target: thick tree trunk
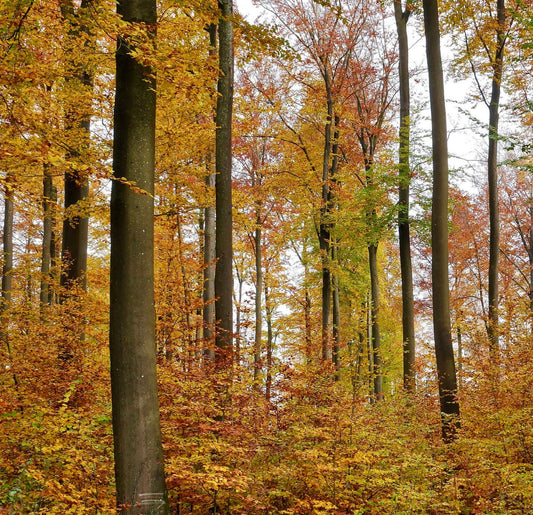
x: 139, y: 469
x: 224, y: 242
x: 75, y: 233
x: 449, y: 403
x: 76, y: 184
x: 408, y: 323
x: 492, y: 175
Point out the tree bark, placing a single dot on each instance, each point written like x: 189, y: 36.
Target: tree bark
x: 377, y: 372
x: 269, y: 344
x: 492, y: 176
x: 324, y: 235
x: 76, y: 223
x: 209, y: 247
x: 139, y: 469
x: 224, y: 243
x: 7, y: 274
x: 7, y: 268
x: 449, y: 403
x: 258, y: 294
x: 408, y: 323
x: 336, y: 331
x: 209, y: 276
x: 46, y: 251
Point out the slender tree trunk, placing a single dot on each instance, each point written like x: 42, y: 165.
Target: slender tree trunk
x: 238, y: 313
x: 139, y: 469
x: 374, y: 317
x: 492, y: 175
x: 530, y: 258
x: 449, y: 403
x: 209, y: 276
x: 459, y: 355
x: 7, y: 273
x: 224, y: 243
x: 324, y: 235
x: 209, y: 248
x: 269, y: 344
x: 336, y: 332
x: 258, y: 295
x: 46, y: 252
x: 7, y: 268
x: 369, y: 351
x: 55, y: 267
x: 336, y: 328
x: 187, y: 297
x: 408, y: 323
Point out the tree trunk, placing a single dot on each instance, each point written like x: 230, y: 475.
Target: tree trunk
x: 139, y: 469
x: 7, y: 268
x: 46, y: 251
x: 224, y: 243
x: 238, y: 312
x: 209, y: 276
x: 209, y: 249
x: 258, y: 294
x: 7, y: 275
x: 324, y: 235
x: 336, y: 333
x: 269, y: 345
x: 374, y: 320
x: 76, y: 222
x: 492, y: 175
x: 449, y: 403
x: 408, y: 323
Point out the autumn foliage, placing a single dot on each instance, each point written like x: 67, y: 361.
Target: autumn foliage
x: 286, y: 429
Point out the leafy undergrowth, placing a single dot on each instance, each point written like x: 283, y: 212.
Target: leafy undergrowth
x: 319, y: 447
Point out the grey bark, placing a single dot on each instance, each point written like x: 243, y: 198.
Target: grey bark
x: 449, y: 404
x: 224, y: 242
x: 492, y: 175
x: 377, y: 372
x: 408, y: 323
x: 76, y: 224
x: 47, y: 245
x: 139, y: 469
x: 269, y: 343
x: 209, y: 276
x: 336, y: 330
x: 324, y: 233
x: 7, y: 273
x: 7, y: 268
x: 209, y: 244
x: 258, y: 295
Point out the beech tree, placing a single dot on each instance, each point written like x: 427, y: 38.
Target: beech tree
x: 223, y: 157
x: 139, y: 469
x: 449, y: 404
x: 78, y: 118
x: 401, y: 16
x: 481, y: 33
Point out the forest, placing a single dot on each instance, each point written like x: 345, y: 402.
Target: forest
x: 272, y: 264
